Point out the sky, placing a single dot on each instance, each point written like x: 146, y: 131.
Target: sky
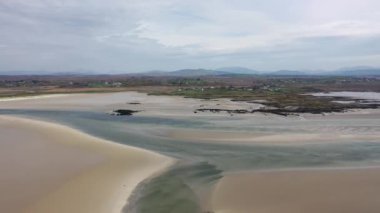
x: 123, y: 36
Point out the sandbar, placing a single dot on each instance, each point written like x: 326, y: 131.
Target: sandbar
x: 312, y: 191
x: 48, y: 167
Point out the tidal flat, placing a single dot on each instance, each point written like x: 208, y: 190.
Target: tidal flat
x: 213, y: 150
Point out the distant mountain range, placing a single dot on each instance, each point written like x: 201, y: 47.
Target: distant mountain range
x: 286, y: 72
x: 238, y: 70
x: 367, y: 71
x: 224, y: 71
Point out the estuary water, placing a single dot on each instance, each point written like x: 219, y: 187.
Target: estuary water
x: 185, y: 187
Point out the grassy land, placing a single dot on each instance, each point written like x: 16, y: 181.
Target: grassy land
x: 282, y: 102
x: 288, y: 97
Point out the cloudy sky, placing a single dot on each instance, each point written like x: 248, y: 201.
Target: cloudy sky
x: 139, y: 35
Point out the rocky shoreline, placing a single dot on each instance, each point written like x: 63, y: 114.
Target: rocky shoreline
x: 289, y: 111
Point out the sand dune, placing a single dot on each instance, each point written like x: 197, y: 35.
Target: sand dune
x: 312, y: 191
x: 49, y: 168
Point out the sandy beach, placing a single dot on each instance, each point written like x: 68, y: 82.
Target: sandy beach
x: 170, y: 106
x: 313, y: 191
x: 53, y: 168
x: 183, y: 108
x: 48, y: 168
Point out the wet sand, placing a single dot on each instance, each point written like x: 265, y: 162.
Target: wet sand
x: 246, y: 137
x: 183, y: 108
x: 171, y: 106
x: 48, y: 168
x: 312, y: 191
x: 297, y: 191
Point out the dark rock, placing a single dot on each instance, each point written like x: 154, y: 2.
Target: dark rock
x: 121, y: 112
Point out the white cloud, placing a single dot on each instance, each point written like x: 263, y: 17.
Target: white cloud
x: 170, y: 34
x: 239, y: 30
